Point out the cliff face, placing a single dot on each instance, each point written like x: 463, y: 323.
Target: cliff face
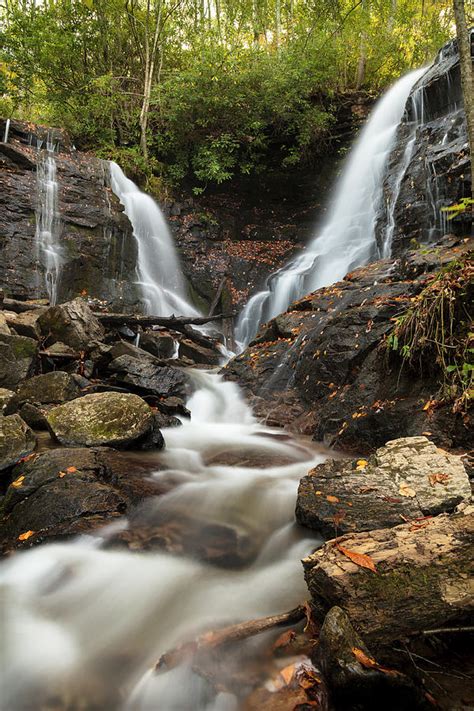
x: 97, y: 247
x: 429, y: 166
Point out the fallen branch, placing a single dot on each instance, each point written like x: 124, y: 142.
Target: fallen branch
x: 61, y: 356
x: 20, y: 307
x: 174, y: 322
x: 234, y: 633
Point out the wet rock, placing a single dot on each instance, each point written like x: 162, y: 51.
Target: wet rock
x: 198, y: 353
x: 409, y: 478
x: 17, y: 356
x: 25, y: 323
x: 354, y: 685
x: 64, y: 492
x: 117, y: 419
x: 323, y: 368
x: 55, y: 387
x: 422, y: 580
x: 5, y: 397
x: 4, y: 327
x: 73, y: 324
x: 148, y: 376
x: 34, y: 416
x: 161, y: 345
x: 16, y: 440
x: 162, y: 420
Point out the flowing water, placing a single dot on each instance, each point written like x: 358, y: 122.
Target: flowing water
x: 93, y: 621
x: 48, y: 221
x: 347, y: 238
x: 6, y: 131
x: 158, y: 271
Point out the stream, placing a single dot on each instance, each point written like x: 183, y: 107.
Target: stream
x: 89, y: 622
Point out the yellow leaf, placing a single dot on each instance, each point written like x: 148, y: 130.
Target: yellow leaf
x: 361, y: 464
x: 363, y: 659
x: 18, y: 482
x: 26, y: 535
x: 332, y: 499
x: 406, y: 490
x: 360, y: 559
x: 61, y: 474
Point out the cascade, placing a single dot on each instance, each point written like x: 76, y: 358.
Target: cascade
x: 7, y: 130
x: 159, y: 273
x: 347, y: 238
x: 48, y: 222
x: 94, y: 620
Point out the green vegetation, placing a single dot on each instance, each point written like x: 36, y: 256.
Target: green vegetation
x: 436, y: 333
x: 205, y: 89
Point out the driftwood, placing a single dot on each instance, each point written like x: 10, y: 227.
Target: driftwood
x: 173, y: 322
x: 20, y: 307
x: 421, y: 582
x: 234, y: 633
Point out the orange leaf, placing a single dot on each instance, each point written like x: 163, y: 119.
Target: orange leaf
x: 360, y: 559
x: 332, y: 499
x: 18, y: 482
x: 26, y: 535
x: 363, y: 659
x: 438, y: 478
x: 284, y: 640
x: 27, y: 458
x: 61, y: 474
x: 288, y: 673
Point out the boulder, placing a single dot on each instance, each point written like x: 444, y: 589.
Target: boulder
x: 73, y: 324
x: 149, y: 376
x: 423, y: 577
x: 198, y: 353
x: 64, y: 492
x: 354, y: 678
x: 55, y: 387
x: 17, y: 440
x: 409, y: 478
x: 4, y: 327
x: 34, y: 416
x: 5, y: 397
x: 17, y: 356
x: 116, y: 419
x: 161, y: 345
x: 25, y: 323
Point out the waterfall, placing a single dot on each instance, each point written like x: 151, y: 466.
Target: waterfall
x: 347, y: 238
x: 48, y: 223
x: 158, y: 270
x: 7, y: 130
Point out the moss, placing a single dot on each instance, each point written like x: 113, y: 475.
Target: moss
x: 405, y: 581
x: 23, y: 347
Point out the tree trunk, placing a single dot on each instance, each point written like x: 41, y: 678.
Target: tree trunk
x: 422, y: 580
x: 467, y: 76
x: 362, y: 63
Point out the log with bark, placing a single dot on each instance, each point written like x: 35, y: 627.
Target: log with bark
x: 398, y: 581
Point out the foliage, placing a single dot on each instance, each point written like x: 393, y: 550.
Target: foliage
x: 236, y: 85
x: 437, y: 332
x: 459, y: 208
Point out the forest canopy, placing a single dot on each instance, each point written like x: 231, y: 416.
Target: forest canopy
x: 205, y: 89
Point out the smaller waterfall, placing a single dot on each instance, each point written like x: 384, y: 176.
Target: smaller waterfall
x: 7, y: 131
x: 159, y: 272
x: 48, y: 221
x: 347, y: 238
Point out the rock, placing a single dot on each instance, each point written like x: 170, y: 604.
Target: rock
x: 25, y: 323
x: 55, y: 387
x: 117, y: 419
x: 354, y: 685
x: 73, y: 324
x: 64, y: 492
x: 5, y: 397
x: 322, y: 367
x: 409, y: 478
x: 16, y: 440
x: 4, y: 327
x: 423, y: 579
x: 17, y: 356
x: 34, y: 416
x: 161, y: 345
x: 149, y: 376
x: 198, y: 353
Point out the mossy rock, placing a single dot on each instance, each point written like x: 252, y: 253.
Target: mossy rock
x: 17, y: 440
x: 55, y: 387
x: 17, y: 355
x: 115, y: 419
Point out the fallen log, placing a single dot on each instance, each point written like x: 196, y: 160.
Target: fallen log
x: 173, y: 322
x: 20, y: 307
x: 399, y: 581
x: 234, y: 633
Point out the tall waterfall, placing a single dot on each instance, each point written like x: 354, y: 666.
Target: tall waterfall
x: 158, y: 270
x: 7, y: 130
x: 347, y: 238
x: 48, y: 222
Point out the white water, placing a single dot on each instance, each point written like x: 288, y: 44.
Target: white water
x: 7, y: 130
x: 48, y: 222
x: 159, y: 273
x: 93, y: 621
x: 347, y: 238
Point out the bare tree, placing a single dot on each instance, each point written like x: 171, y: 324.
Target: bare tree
x: 467, y: 76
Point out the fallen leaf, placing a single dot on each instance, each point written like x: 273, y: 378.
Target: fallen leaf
x: 332, y: 499
x: 61, y: 474
x: 288, y: 673
x: 18, y: 482
x: 370, y: 663
x: 361, y: 464
x: 438, y: 478
x: 26, y: 535
x: 360, y: 559
x: 427, y: 434
x: 406, y: 490
x: 284, y: 640
x: 28, y: 457
x: 338, y: 517
x: 71, y: 470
